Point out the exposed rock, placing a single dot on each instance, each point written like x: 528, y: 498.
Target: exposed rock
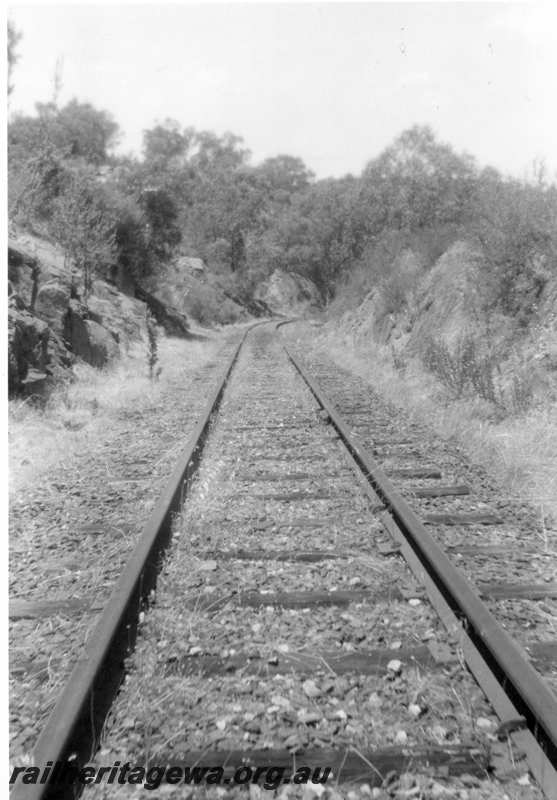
x: 288, y: 293
x: 23, y: 272
x: 86, y: 338
x: 442, y: 303
x: 256, y: 307
x: 36, y: 356
x: 188, y: 263
x: 27, y: 347
x: 52, y: 304
x: 173, y: 322
x: 50, y: 258
x: 14, y: 300
x: 187, y: 286
x: 448, y: 302
x: 40, y: 282
x: 123, y: 316
x: 101, y: 347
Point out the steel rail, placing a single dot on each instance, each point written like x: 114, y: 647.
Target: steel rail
x: 526, y: 689
x: 72, y: 730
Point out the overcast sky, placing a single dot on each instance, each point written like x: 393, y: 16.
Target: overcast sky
x: 331, y: 83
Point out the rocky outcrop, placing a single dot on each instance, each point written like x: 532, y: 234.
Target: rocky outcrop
x: 447, y: 302
x: 288, y: 294
x: 187, y: 286
x: 86, y: 338
x: 37, y: 357
x: 48, y: 328
x: 23, y: 272
x: 52, y: 303
x: 124, y: 317
x: 412, y: 305
x: 185, y: 264
x: 256, y: 308
x: 173, y: 322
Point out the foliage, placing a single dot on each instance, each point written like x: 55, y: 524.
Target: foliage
x: 197, y: 191
x: 130, y: 232
x: 417, y: 182
x: 42, y: 148
x: 160, y: 213
x: 464, y: 369
x: 85, y: 132
x: 153, y: 345
x: 13, y: 38
x: 81, y: 223
x: 281, y: 177
x: 517, y: 229
x: 76, y: 131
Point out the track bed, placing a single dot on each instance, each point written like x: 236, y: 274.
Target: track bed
x: 287, y: 629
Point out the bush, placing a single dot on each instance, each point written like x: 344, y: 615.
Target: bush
x: 465, y: 370
x: 469, y: 370
x: 517, y: 229
x: 396, y: 290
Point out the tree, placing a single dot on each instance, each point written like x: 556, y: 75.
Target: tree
x: 42, y: 147
x: 82, y: 224
x: 14, y: 37
x: 161, y: 214
x: 283, y: 176
x: 516, y: 226
x: 84, y: 131
x: 416, y: 183
x: 166, y: 145
x: 76, y: 131
x: 318, y: 235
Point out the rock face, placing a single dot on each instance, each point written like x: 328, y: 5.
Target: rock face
x: 48, y: 329
x: 173, y: 322
x: 445, y: 304
x: 193, y: 291
x: 185, y: 264
x: 37, y: 358
x: 86, y: 338
x: 52, y: 303
x: 23, y: 272
x: 123, y: 316
x: 442, y: 303
x: 288, y: 293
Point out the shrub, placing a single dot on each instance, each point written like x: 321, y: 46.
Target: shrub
x: 396, y: 290
x: 451, y: 369
x: 153, y: 346
x: 469, y: 370
x: 464, y: 370
x: 521, y: 392
x: 517, y: 229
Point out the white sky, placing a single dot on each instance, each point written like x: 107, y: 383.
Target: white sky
x: 331, y: 83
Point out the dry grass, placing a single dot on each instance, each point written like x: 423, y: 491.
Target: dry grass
x: 520, y: 451
x: 80, y: 414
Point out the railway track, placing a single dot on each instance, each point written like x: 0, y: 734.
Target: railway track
x: 304, y: 614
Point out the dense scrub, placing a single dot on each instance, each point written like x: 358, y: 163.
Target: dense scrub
x: 199, y: 194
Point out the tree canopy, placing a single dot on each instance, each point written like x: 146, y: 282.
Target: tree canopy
x: 198, y: 193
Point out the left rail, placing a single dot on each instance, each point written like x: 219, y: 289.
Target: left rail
x: 72, y: 730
